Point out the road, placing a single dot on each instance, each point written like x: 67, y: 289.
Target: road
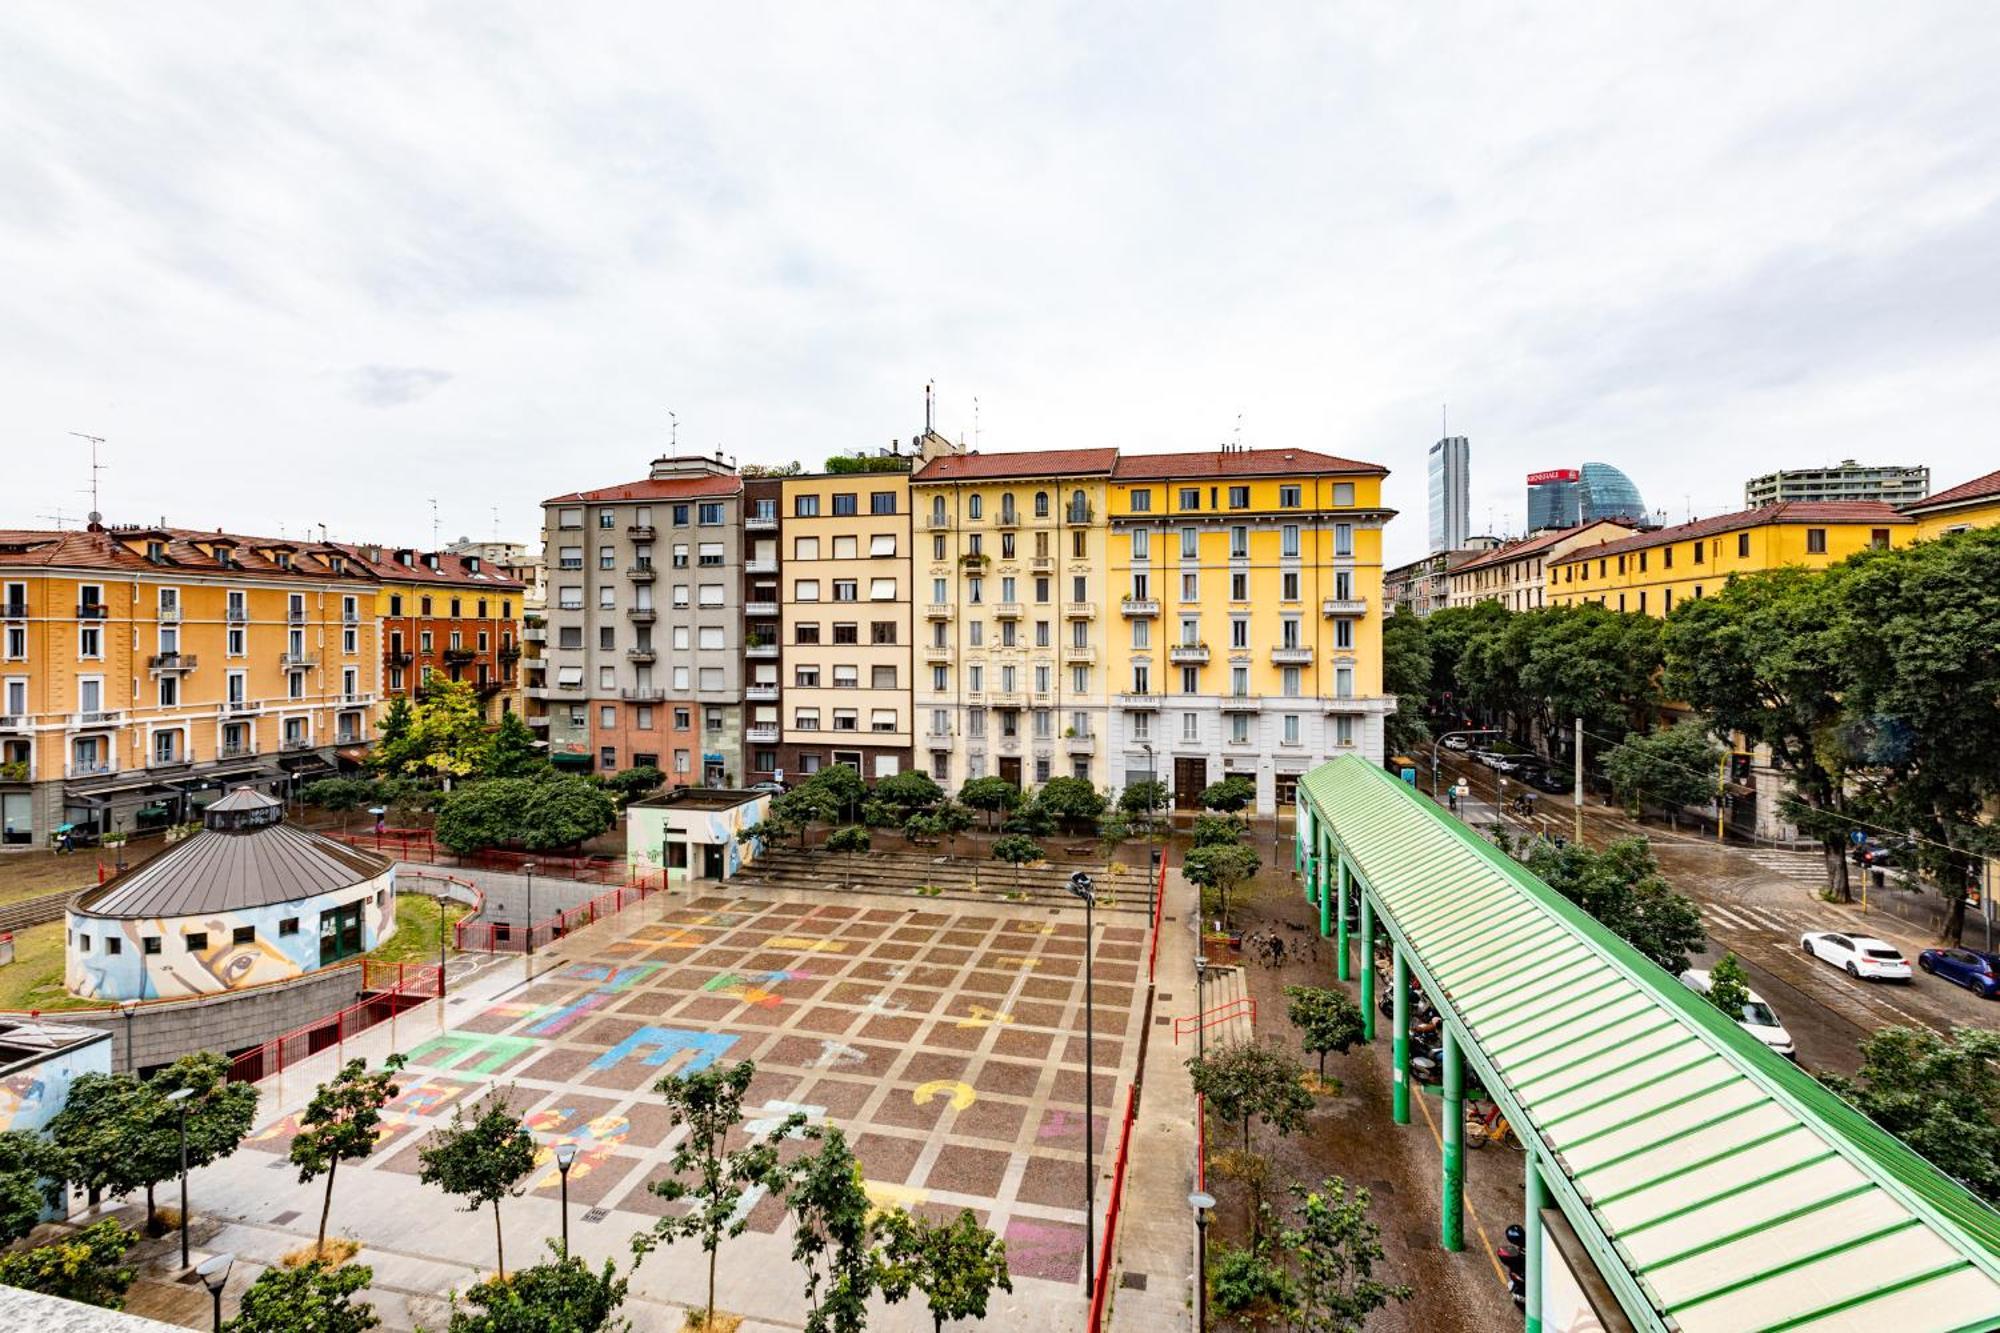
x: 1755, y: 903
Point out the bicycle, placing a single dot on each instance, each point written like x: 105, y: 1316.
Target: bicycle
x: 1485, y: 1124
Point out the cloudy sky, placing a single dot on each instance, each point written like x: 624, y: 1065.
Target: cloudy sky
x: 322, y: 265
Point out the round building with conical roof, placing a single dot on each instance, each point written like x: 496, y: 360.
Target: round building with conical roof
x: 247, y: 899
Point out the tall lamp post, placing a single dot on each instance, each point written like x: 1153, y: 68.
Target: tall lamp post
x: 178, y: 1099
x: 1080, y: 886
x: 1202, y: 1203
x: 565, y: 1159
x: 1200, y: 1005
x: 214, y: 1272
x: 1470, y: 731
x: 528, y: 939
x: 127, y: 1008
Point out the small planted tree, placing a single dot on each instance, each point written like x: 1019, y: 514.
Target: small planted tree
x: 1245, y: 1081
x: 833, y: 1234
x: 1071, y: 802
x: 1729, y: 986
x: 315, y: 1297
x: 1335, y: 1247
x: 562, y: 1294
x: 952, y: 820
x: 1231, y: 795
x: 341, y: 1124
x: 1142, y: 800
x: 1216, y: 831
x: 512, y: 750
x: 854, y: 839
x: 703, y: 1171
x: 993, y: 796
x: 88, y: 1266
x: 1221, y: 868
x: 1017, y: 850
x: 1326, y: 1019
x: 957, y: 1265
x: 482, y: 1160
x: 340, y: 796
x: 30, y: 1169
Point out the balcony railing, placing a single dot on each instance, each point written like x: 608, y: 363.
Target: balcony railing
x: 1009, y: 699
x: 92, y: 611
x: 1291, y: 656
x: 293, y: 744
x: 510, y: 652
x: 1080, y: 653
x: 1042, y: 564
x: 642, y: 654
x: 1077, y: 513
x: 937, y: 652
x: 171, y: 661
x: 350, y: 617
x: 762, y: 652
x: 539, y: 721
x: 1149, y: 703
x: 81, y: 770
x: 1140, y: 606
x: 937, y: 611
x: 291, y: 660
x: 937, y: 522
x: 348, y: 738
x: 642, y: 615
x: 1242, y: 703
x: 169, y: 615
x: 1083, y: 744
x: 1008, y: 518
x: 642, y: 532
x: 1344, y: 606
x: 103, y: 717
x: 399, y: 659
x: 358, y: 699
x: 240, y: 707
x: 760, y: 566
x: 237, y: 751
x: 14, y: 611
x: 761, y: 522
x: 295, y: 615
x: 1080, y: 611
x: 237, y: 615
x: 642, y: 694
x: 460, y: 656
x: 761, y: 694
x: 1007, y: 610
x: 761, y: 607
x: 569, y: 564
x: 538, y: 692
x: 535, y: 634
x: 761, y: 733
x: 641, y: 573
x: 14, y: 722
x: 168, y: 761
x: 1188, y: 654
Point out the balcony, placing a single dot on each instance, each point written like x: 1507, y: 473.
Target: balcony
x: 292, y: 661
x: 510, y: 652
x: 240, y: 750
x: 644, y: 573
x: 938, y: 522
x: 350, y: 617
x: 237, y: 615
x: 1344, y: 606
x: 169, y: 615
x: 643, y: 694
x: 764, y: 693
x: 1008, y: 699
x: 349, y: 738
x: 940, y: 653
x: 1188, y: 654
x: 975, y: 561
x: 540, y: 722
x: 1242, y: 703
x: 1080, y: 611
x: 935, y: 737
x: 641, y: 532
x: 642, y: 615
x: 295, y: 616
x: 14, y: 611
x: 569, y: 564
x: 937, y: 611
x: 294, y: 744
x: 100, y: 718
x: 91, y: 611
x: 358, y: 699
x: 1077, y: 514
x: 644, y: 655
x: 1042, y: 564
x: 1140, y: 606
x: 160, y: 761
x: 764, y: 607
x: 460, y: 656
x: 1007, y: 610
x: 14, y: 722
x: 1084, y: 744
x: 761, y: 652
x: 97, y: 770
x: 761, y: 733
x: 241, y: 707
x: 171, y: 662
x: 760, y: 522
x: 399, y: 659
x: 760, y: 566
x: 1291, y: 656
x: 1008, y: 518
x: 539, y: 692
x: 1143, y: 703
x: 535, y: 634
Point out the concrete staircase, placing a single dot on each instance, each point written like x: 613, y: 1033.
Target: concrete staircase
x: 959, y: 879
x: 1225, y: 989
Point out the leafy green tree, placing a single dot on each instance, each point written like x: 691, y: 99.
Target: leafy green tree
x: 1230, y: 795
x: 833, y: 1233
x: 1112, y: 831
x: 1940, y: 1095
x: 1031, y: 820
x: 994, y: 796
x: 632, y: 783
x: 31, y: 1171
x: 315, y: 1297
x: 445, y: 737
x: 1334, y: 1246
x: 853, y: 839
x: 952, y: 820
x: 392, y: 736
x: 1674, y: 768
x: 908, y: 792
x: 1071, y: 802
x: 1245, y: 1081
x: 562, y: 1294
x: 1222, y: 868
x: 1016, y: 850
x: 1217, y: 831
x: 1406, y: 673
x: 512, y: 751
x: 482, y: 1161
x: 1143, y: 799
x: 1248, y: 1285
x: 340, y: 796
x: 341, y: 1124
x: 840, y: 788
x: 1729, y: 987
x: 539, y: 814
x: 704, y: 1170
x: 1622, y: 887
x: 88, y: 1266
x: 957, y: 1265
x: 1326, y: 1019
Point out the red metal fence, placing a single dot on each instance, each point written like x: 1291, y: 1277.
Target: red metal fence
x: 1222, y: 1013
x: 1159, y: 911
x: 420, y: 845
x: 1100, y: 1292
x: 388, y: 989
x: 501, y: 937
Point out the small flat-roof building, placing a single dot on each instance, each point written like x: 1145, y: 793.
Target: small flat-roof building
x: 38, y: 1062
x: 690, y: 832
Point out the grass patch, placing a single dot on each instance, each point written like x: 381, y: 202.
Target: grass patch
x: 416, y: 937
x: 339, y: 1250
x: 34, y: 980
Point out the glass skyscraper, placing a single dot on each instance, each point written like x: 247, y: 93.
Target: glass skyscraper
x: 1451, y: 492
x: 1605, y: 492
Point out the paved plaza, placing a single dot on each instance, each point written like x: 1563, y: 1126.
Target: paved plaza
x: 946, y: 1043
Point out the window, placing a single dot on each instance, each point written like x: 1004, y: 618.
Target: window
x: 711, y: 638
x: 844, y: 504
x: 846, y: 719
x: 882, y: 590
x: 1879, y: 538
x: 882, y: 502
x: 975, y: 506
x: 1699, y: 548
x: 150, y: 944
x: 1343, y: 539
x: 196, y: 941
x: 569, y: 518
x: 1239, y: 497
x: 882, y: 677
x: 1190, y: 544
x: 1288, y: 497
x: 1141, y: 544
x: 1288, y: 586
x: 846, y: 677
x: 1190, y: 498
x: 243, y: 935
x: 845, y: 590
x: 882, y: 544
x: 709, y: 554
x: 1343, y: 633
x: 1290, y: 733
x: 1288, y: 540
x: 1343, y: 494
x: 1239, y: 631
x: 884, y: 631
x: 806, y: 677
x: 1667, y: 557
x: 1742, y: 549
x: 1239, y: 729
x: 711, y: 514
x: 1239, y: 586
x: 846, y: 632
x: 1142, y: 501
x: 1239, y: 543
x: 606, y: 518
x: 1239, y: 681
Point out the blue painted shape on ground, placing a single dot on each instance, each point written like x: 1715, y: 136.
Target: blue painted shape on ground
x: 660, y: 1045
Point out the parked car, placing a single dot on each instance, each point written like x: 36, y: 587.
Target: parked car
x: 1758, y: 1019
x: 1458, y: 742
x: 1547, y: 779
x: 1877, y: 852
x: 768, y: 788
x: 1861, y: 956
x: 1973, y: 969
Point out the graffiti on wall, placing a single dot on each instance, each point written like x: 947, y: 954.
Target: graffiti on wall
x: 650, y: 828
x: 30, y: 1097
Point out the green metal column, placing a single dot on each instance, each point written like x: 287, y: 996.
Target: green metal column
x: 1340, y: 923
x: 1453, y: 1224
x: 1323, y: 874
x: 1301, y: 839
x: 1531, y: 1224
x: 1367, y: 966
x: 1400, y: 1089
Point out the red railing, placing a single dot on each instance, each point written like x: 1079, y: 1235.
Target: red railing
x: 1222, y: 1013
x: 503, y: 937
x: 1200, y: 1142
x: 1100, y: 1287
x: 419, y: 845
x: 394, y: 986
x: 1159, y: 911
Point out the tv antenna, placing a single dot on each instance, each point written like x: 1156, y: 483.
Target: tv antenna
x: 930, y: 411
x: 96, y: 515
x: 58, y: 518
x: 673, y: 435
x: 975, y: 423
x: 434, y: 523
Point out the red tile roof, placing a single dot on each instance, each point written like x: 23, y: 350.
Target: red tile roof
x: 1787, y: 511
x: 1527, y: 546
x: 656, y: 488
x: 1028, y: 463
x: 123, y: 551
x: 1238, y: 463
x: 1979, y: 488
x: 382, y: 562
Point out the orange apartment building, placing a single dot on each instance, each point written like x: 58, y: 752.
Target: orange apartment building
x: 446, y: 616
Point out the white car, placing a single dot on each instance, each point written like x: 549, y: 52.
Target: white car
x: 1863, y: 957
x: 1758, y: 1019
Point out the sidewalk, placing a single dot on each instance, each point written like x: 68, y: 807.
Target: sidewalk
x: 1152, y: 1270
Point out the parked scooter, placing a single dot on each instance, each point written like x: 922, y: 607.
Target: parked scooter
x: 1513, y: 1257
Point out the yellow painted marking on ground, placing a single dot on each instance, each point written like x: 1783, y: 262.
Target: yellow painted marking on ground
x: 808, y: 946
x: 982, y: 1017
x: 886, y: 1196
x: 961, y: 1094
x: 1477, y: 1225
x: 1019, y: 961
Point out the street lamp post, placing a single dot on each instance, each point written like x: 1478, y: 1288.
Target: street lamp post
x: 565, y: 1159
x: 1469, y: 731
x: 214, y: 1272
x: 178, y: 1099
x: 1080, y: 886
x: 1200, y: 1005
x: 528, y: 939
x: 1202, y: 1202
x: 127, y: 1009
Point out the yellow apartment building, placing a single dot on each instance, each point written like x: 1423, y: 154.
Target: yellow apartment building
x: 1652, y: 572
x: 841, y: 691
x: 142, y: 669
x: 1515, y: 575
x: 1011, y: 610
x: 1245, y: 625
x: 1976, y: 504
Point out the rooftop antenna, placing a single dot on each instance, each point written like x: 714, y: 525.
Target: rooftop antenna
x: 975, y: 422
x: 434, y: 523
x: 496, y: 525
x: 1444, y: 421
x: 930, y: 415
x: 673, y: 436
x: 1239, y: 433
x: 96, y: 515
x: 56, y: 518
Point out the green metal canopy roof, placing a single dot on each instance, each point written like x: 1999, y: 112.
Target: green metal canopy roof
x: 1733, y: 1190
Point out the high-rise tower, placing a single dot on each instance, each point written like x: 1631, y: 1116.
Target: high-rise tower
x: 1451, y: 498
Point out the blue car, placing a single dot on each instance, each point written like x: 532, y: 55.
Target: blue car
x: 1976, y: 971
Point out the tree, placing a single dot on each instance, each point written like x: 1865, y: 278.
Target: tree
x: 1071, y: 802
x: 481, y: 1161
x: 1674, y: 768
x: 840, y: 788
x: 340, y: 796
x: 957, y: 1265
x: 1327, y: 1021
x: 1230, y: 795
x: 908, y: 792
x: 1112, y: 831
x: 632, y: 783
x: 1406, y: 673
x: 1245, y: 1081
x: 87, y: 1266
x: 995, y: 796
x: 540, y: 814
x: 833, y: 1233
x: 512, y: 750
x: 1940, y: 1095
x: 709, y: 1102
x: 446, y: 735
x: 1621, y: 886
x: 1016, y: 850
x: 392, y: 736
x: 1729, y: 987
x: 315, y: 1297
x: 1335, y: 1247
x: 562, y: 1294
x: 31, y: 1171
x: 1141, y: 800
x: 341, y: 1124
x: 852, y: 839
x: 1221, y: 868
x: 1217, y: 831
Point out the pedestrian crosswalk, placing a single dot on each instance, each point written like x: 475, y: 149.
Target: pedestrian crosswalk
x: 1764, y: 920
x: 1805, y: 867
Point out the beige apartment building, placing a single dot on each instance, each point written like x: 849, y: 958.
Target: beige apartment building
x: 1515, y: 575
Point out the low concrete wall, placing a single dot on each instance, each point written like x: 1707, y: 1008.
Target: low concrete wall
x: 507, y: 895
x: 163, y: 1031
